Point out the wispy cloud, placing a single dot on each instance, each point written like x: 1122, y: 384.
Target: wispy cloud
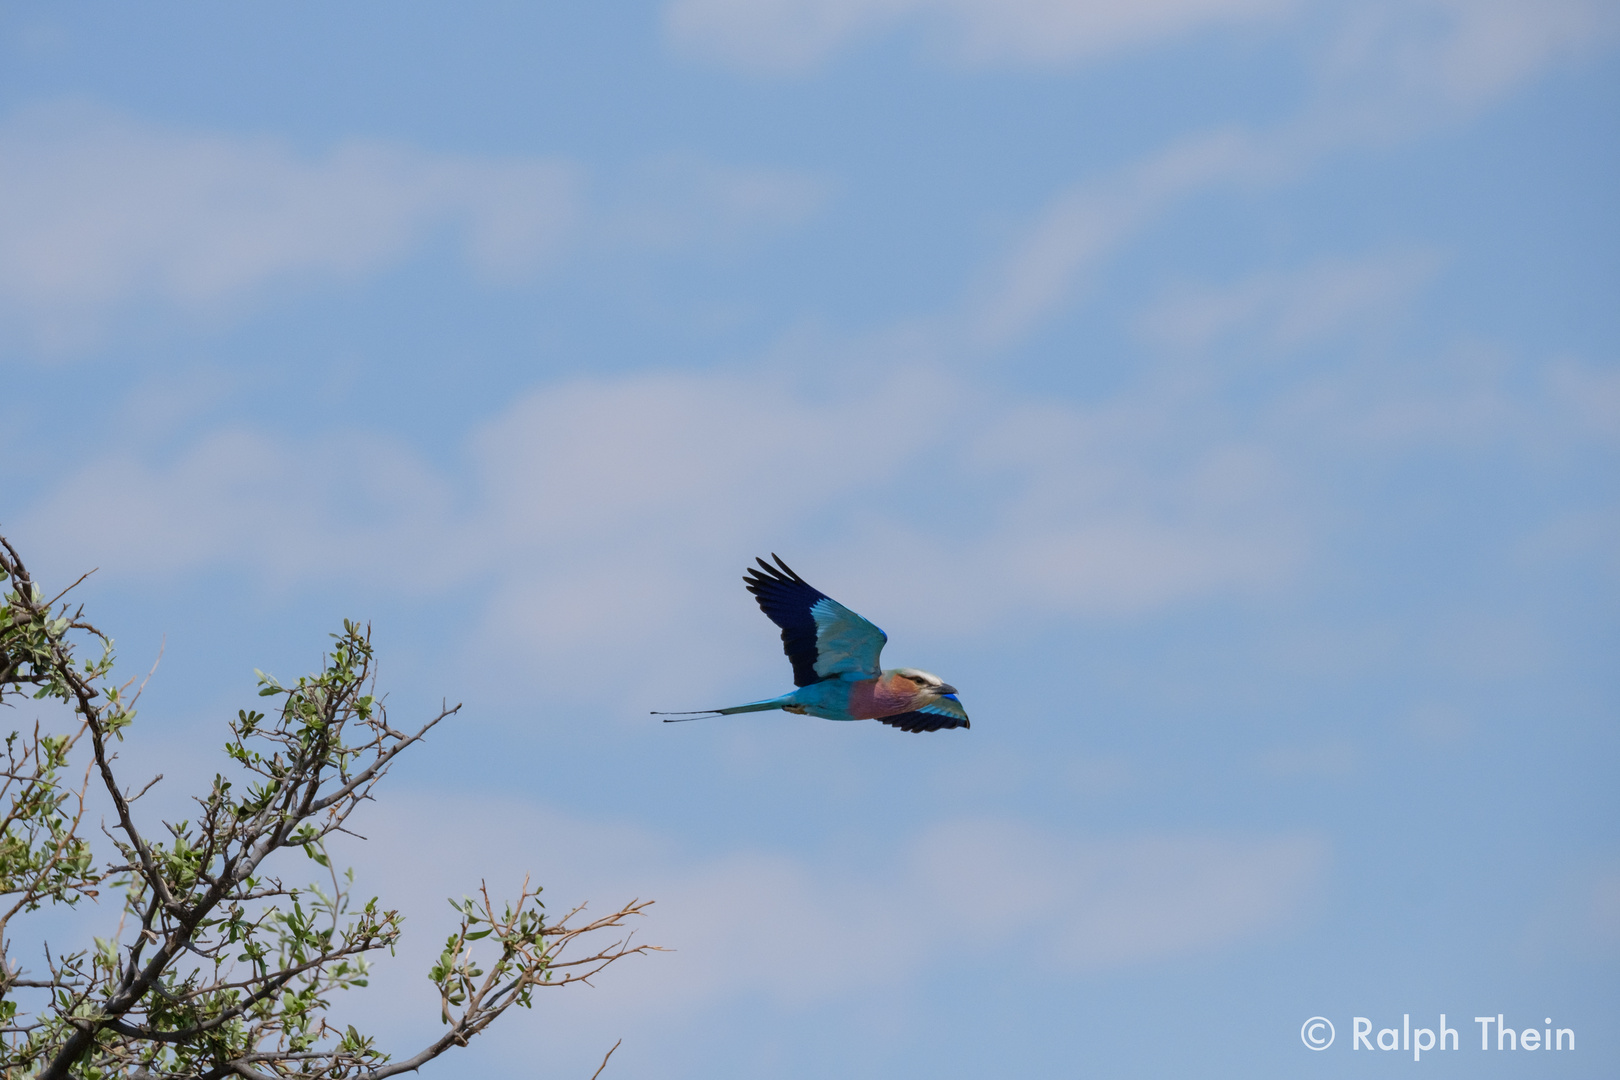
x: 600, y: 512
x: 345, y: 504
x: 1408, y: 59
x: 690, y: 203
x: 1385, y: 73
x: 1289, y: 309
x: 1460, y: 50
x: 800, y: 931
x: 101, y: 214
x: 101, y: 211
x: 602, y: 507
x: 1080, y: 228
x: 781, y: 36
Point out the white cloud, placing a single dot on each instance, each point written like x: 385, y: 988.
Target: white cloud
x: 775, y: 35
x: 799, y: 932
x: 1461, y: 51
x: 291, y: 509
x: 1114, y: 902
x: 603, y: 512
x: 1461, y: 400
x: 1125, y: 507
x: 1385, y: 72
x: 686, y: 203
x: 100, y: 211
x: 100, y: 214
x: 1084, y: 225
x: 793, y: 35
x: 1408, y: 59
x: 1289, y: 309
x: 593, y: 523
x: 1053, y: 31
x: 1590, y: 395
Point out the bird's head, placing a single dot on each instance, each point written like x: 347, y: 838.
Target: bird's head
x: 927, y: 686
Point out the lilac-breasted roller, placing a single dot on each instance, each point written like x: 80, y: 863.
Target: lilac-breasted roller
x: 834, y: 653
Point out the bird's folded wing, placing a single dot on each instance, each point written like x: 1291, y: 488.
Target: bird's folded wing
x: 945, y: 712
x: 822, y: 638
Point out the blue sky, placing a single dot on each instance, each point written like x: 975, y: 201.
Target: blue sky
x: 1221, y: 393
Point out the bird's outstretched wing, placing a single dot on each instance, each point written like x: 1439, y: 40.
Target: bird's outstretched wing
x: 822, y: 638
x: 945, y: 712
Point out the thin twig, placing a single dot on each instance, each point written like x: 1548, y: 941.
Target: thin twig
x: 605, y: 1057
x: 52, y: 601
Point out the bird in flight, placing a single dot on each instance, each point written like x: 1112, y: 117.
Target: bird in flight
x: 834, y: 653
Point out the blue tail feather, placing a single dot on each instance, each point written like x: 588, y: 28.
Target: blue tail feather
x: 753, y: 706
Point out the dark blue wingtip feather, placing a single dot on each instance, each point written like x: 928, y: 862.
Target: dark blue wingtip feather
x: 786, y: 599
x: 953, y: 697
x: 919, y: 721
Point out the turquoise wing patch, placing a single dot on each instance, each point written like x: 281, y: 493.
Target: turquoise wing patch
x: 845, y: 642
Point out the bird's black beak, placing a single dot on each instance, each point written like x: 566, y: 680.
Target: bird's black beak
x: 946, y: 688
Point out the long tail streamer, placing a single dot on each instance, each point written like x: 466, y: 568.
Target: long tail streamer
x: 685, y: 716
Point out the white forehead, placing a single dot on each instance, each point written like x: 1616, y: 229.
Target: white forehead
x: 916, y: 674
